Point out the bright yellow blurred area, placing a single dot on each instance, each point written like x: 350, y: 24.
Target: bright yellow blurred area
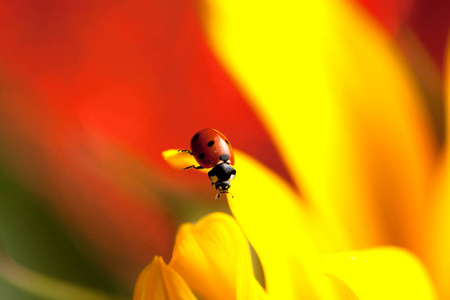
x: 336, y: 96
x: 381, y: 273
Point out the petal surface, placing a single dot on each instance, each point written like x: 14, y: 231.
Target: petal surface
x: 381, y: 273
x: 214, y: 258
x: 335, y: 95
x: 177, y: 159
x: 158, y: 281
x: 287, y: 239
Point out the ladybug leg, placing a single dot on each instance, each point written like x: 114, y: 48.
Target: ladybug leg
x: 185, y: 150
x: 195, y: 167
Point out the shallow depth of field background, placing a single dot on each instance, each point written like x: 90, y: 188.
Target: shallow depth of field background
x: 90, y: 94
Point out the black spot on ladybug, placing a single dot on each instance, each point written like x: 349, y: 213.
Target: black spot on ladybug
x: 224, y: 157
x: 210, y: 143
x: 227, y: 142
x: 195, y: 137
x: 201, y: 155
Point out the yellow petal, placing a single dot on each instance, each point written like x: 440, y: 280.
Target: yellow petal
x: 158, y: 281
x: 335, y: 96
x: 213, y: 256
x: 178, y: 160
x: 381, y: 273
x: 280, y: 230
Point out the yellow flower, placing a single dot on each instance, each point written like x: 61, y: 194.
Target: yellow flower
x: 211, y: 257
x: 335, y: 94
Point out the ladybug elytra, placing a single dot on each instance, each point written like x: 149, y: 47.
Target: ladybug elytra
x: 211, y: 149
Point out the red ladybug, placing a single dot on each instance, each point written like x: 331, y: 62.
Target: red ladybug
x: 211, y: 149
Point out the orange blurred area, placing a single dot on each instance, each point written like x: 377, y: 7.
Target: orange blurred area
x: 90, y: 95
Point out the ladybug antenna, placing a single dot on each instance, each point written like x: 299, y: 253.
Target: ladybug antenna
x: 219, y: 193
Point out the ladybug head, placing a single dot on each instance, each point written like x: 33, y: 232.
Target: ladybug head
x: 222, y: 188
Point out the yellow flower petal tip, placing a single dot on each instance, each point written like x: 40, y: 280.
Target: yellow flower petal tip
x: 177, y: 159
x: 180, y: 160
x: 381, y: 273
x: 214, y: 258
x: 159, y: 281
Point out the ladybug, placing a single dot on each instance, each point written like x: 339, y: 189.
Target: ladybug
x: 211, y: 149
